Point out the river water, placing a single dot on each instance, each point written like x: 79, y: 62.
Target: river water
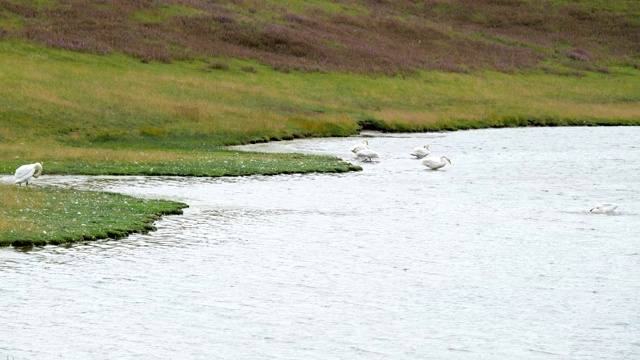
x: 493, y: 257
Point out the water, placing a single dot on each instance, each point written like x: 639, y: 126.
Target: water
x: 493, y: 257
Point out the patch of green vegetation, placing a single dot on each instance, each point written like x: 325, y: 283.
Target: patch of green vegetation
x: 10, y: 21
x: 446, y: 9
x: 37, y: 216
x: 302, y: 7
x: 601, y: 5
x: 212, y: 164
x: 504, y: 40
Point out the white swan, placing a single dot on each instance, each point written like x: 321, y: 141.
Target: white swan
x: 361, y: 146
x: 435, y: 163
x: 604, y: 208
x: 421, y: 152
x: 367, y: 154
x: 25, y: 172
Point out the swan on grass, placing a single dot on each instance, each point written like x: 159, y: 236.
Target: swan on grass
x: 367, y: 155
x: 604, y: 208
x: 25, y: 172
x: 435, y: 163
x: 357, y: 147
x: 421, y: 152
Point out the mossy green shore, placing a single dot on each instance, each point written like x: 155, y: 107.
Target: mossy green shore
x: 45, y: 215
x: 37, y: 216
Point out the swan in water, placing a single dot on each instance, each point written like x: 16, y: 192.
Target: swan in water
x: 367, y: 154
x: 421, y: 152
x: 604, y: 208
x: 361, y: 146
x: 435, y: 163
x: 25, y: 172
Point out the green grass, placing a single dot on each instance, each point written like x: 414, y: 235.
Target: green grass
x: 172, y: 163
x: 95, y: 101
x: 33, y: 215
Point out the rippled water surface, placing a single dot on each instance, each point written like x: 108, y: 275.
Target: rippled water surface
x: 493, y: 257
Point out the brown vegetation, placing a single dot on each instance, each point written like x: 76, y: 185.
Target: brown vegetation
x: 367, y: 36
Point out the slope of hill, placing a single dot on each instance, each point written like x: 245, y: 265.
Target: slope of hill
x: 196, y: 74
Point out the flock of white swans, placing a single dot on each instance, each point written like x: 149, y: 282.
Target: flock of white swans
x: 364, y: 153
x: 26, y: 172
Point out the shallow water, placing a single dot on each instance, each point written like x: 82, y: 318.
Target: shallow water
x: 493, y: 257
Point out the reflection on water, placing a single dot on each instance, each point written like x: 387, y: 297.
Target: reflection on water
x: 495, y: 256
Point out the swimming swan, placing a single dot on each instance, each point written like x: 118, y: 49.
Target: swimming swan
x: 367, y: 154
x: 604, y: 209
x: 25, y: 172
x: 434, y: 163
x: 421, y: 152
x: 361, y: 146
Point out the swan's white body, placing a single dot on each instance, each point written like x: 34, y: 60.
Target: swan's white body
x: 25, y: 172
x: 604, y: 209
x: 367, y: 154
x: 435, y: 163
x: 362, y: 146
x: 421, y: 152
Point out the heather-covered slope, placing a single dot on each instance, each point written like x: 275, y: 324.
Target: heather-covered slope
x: 366, y: 36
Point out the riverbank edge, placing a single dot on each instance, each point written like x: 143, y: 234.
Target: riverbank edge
x: 373, y: 124
x: 112, y: 234
x: 369, y: 126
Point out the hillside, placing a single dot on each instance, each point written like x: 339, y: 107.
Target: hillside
x: 367, y: 36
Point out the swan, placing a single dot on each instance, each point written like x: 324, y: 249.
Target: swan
x: 361, y: 146
x: 25, y: 172
x: 367, y: 154
x: 434, y: 163
x: 421, y: 152
x: 604, y: 208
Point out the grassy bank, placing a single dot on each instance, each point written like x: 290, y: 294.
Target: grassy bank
x: 46, y: 215
x: 59, y: 160
x: 55, y: 97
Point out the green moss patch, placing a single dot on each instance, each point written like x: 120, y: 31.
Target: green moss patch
x: 38, y: 216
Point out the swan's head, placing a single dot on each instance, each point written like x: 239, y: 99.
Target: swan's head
x: 426, y: 146
x: 446, y: 158
x: 38, y: 168
x: 365, y: 142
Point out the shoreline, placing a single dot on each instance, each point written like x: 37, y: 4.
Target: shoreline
x: 140, y: 222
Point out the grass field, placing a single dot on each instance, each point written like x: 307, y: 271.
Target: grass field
x: 82, y: 100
